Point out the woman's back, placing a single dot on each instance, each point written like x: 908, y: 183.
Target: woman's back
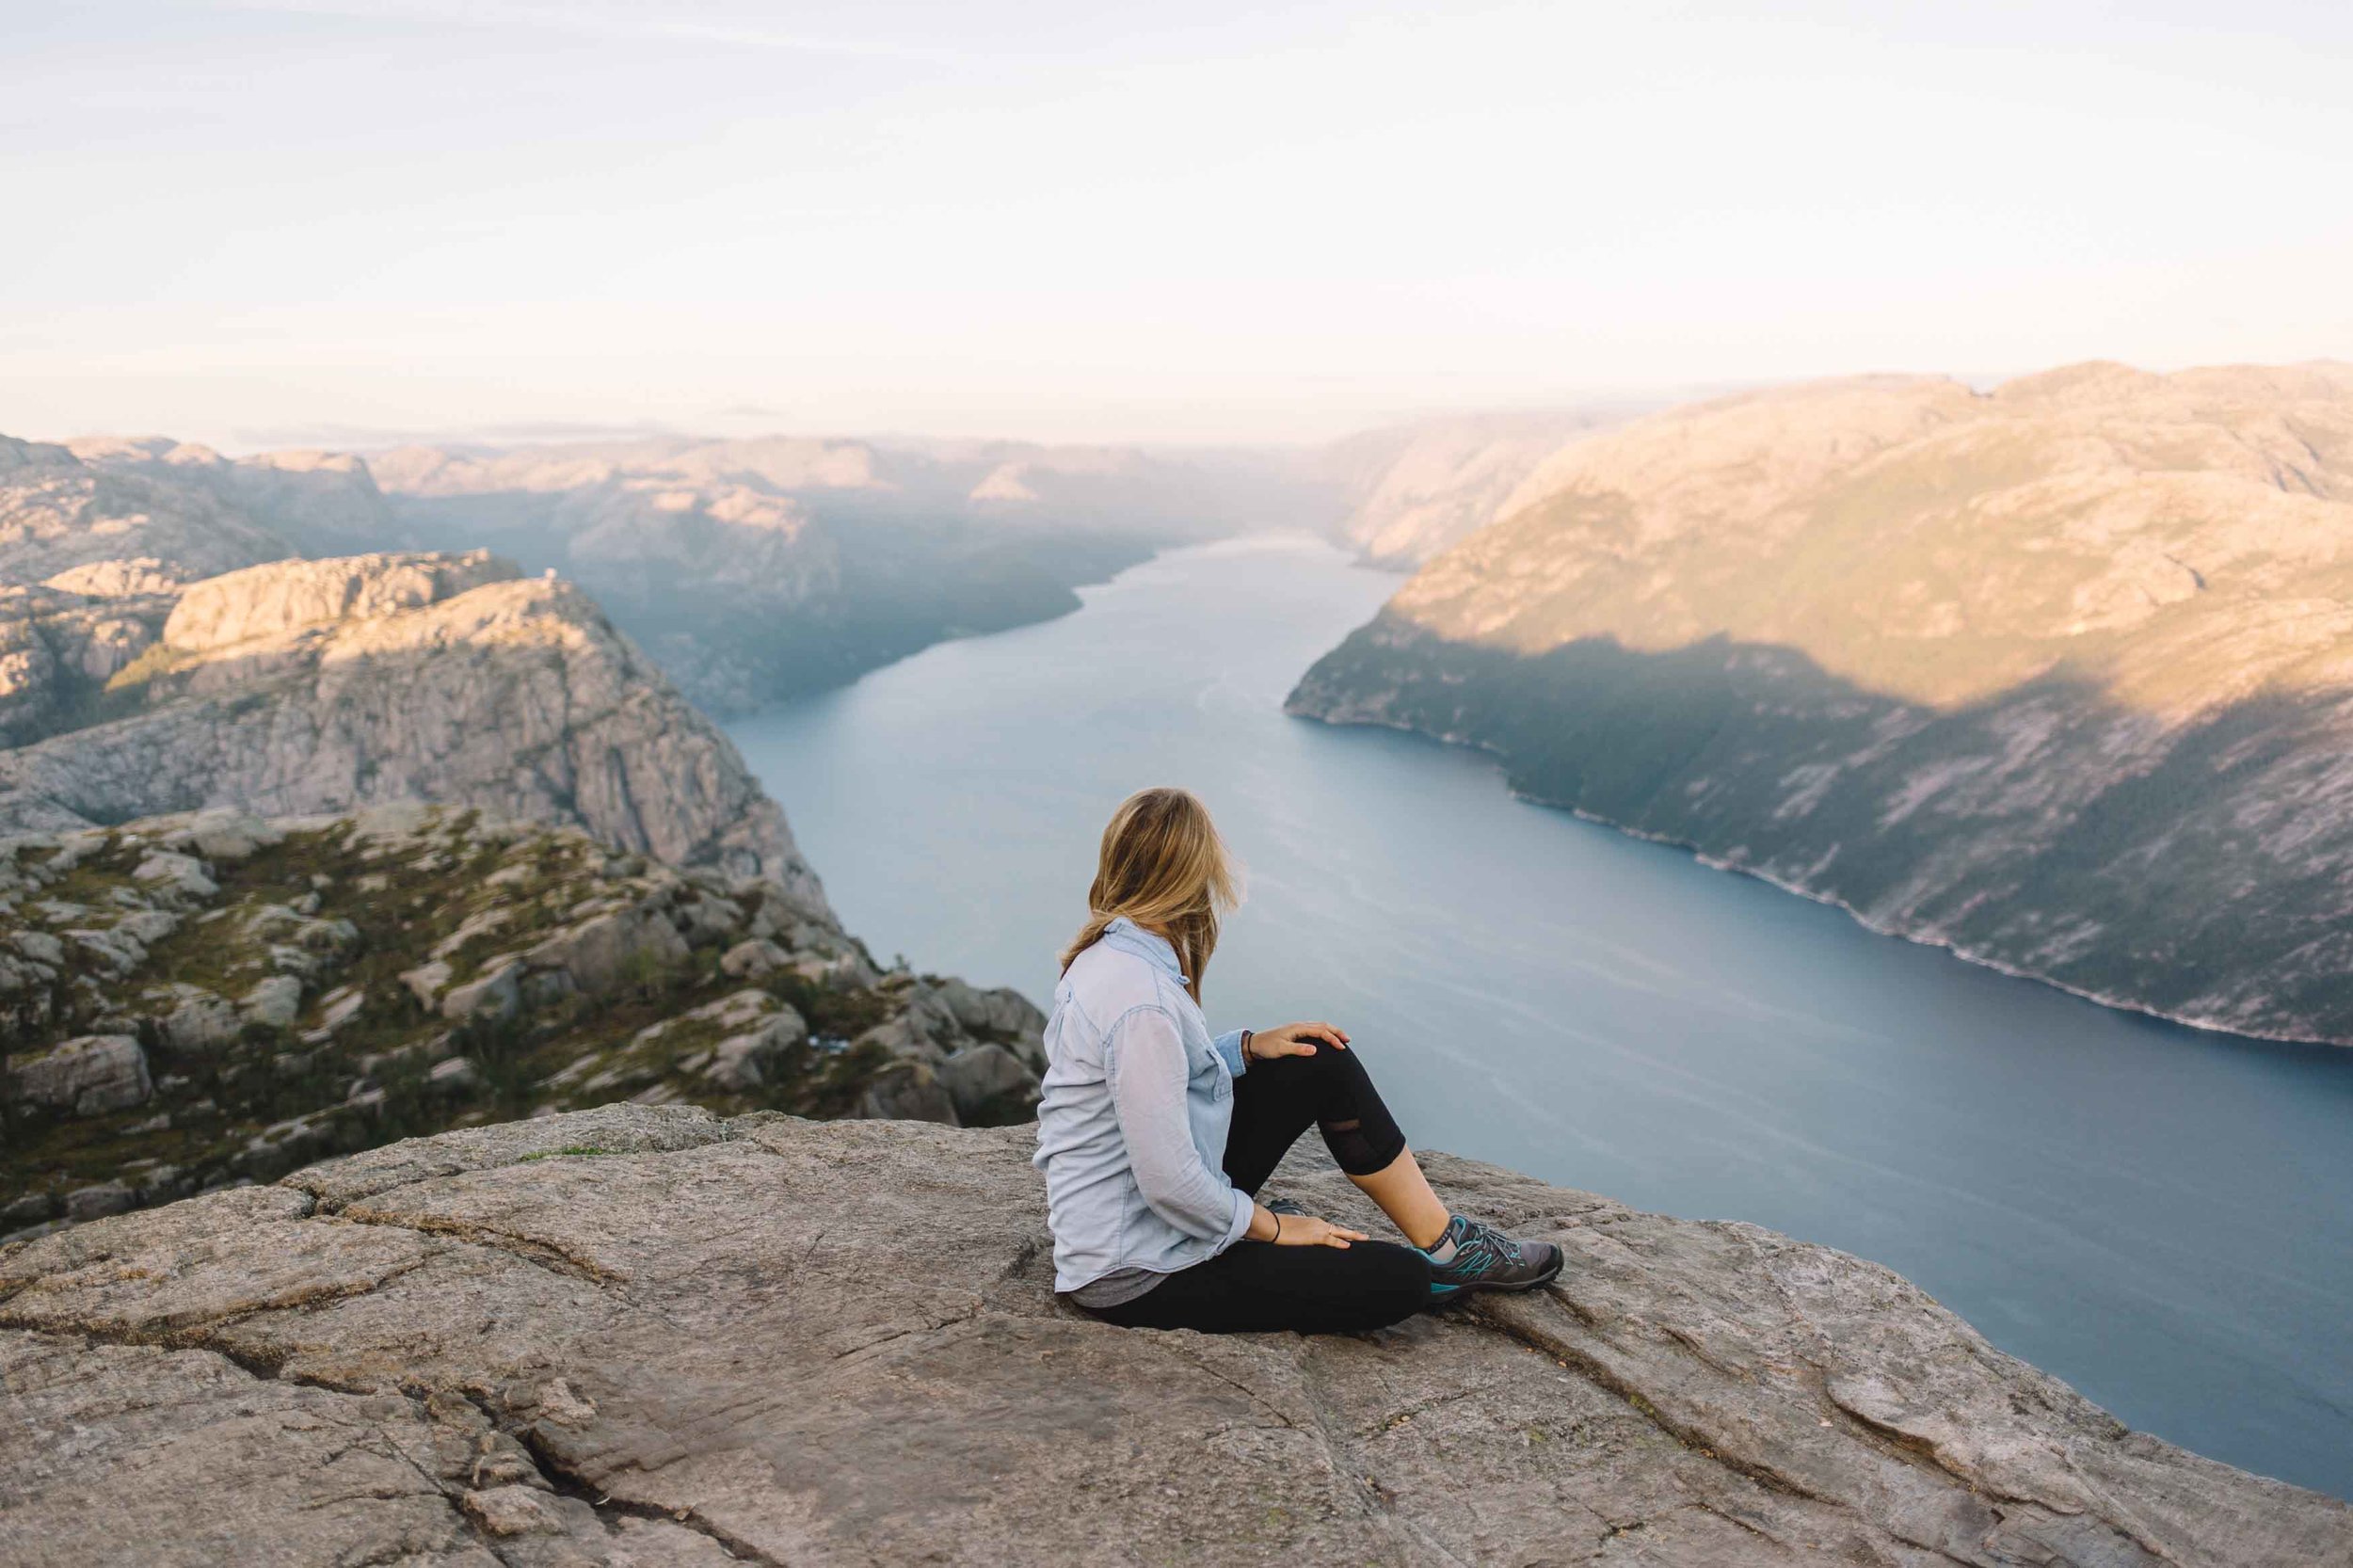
x: 1122, y: 1009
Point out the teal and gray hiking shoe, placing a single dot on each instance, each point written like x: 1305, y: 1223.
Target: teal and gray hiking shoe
x: 1280, y: 1205
x: 1474, y: 1255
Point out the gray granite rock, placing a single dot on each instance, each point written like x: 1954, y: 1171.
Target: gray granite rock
x: 743, y: 1061
x: 276, y: 1002
x: 635, y: 1335
x: 90, y: 1075
x: 97, y: 1202
x: 980, y: 1075
x: 495, y: 993
x: 202, y: 1021
x: 753, y: 958
x: 321, y: 686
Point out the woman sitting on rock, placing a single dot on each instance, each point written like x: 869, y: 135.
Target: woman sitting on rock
x: 1155, y: 1138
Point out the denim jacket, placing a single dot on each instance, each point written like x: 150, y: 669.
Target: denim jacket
x: 1151, y: 1194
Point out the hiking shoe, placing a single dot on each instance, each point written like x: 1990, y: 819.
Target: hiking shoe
x: 1478, y: 1257
x: 1281, y: 1206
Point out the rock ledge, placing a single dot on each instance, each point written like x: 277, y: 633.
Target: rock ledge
x: 646, y: 1335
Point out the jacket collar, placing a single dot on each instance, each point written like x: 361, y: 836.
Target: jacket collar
x: 1129, y: 936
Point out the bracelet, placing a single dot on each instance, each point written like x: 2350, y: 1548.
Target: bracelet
x: 1278, y: 1225
x: 1246, y: 1035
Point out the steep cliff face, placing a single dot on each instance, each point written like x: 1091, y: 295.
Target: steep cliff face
x: 644, y: 1335
x: 59, y: 650
x: 189, y: 1001
x: 2060, y: 675
x: 309, y: 686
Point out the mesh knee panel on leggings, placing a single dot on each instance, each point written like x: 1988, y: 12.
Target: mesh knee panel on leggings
x: 1357, y: 1129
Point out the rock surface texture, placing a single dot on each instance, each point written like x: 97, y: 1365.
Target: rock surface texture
x: 192, y: 1002
x: 639, y: 1335
x: 320, y: 686
x: 2059, y: 676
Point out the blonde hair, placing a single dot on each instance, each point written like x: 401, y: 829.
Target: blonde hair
x: 1163, y: 866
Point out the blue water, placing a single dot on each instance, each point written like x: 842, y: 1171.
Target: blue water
x: 2158, y: 1215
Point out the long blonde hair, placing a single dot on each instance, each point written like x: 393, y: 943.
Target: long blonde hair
x: 1163, y: 866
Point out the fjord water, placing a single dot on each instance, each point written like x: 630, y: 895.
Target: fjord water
x: 2162, y: 1217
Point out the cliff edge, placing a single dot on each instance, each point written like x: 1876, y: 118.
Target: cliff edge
x: 303, y: 687
x: 642, y: 1335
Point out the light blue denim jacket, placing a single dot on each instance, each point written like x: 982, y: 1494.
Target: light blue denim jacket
x: 1152, y: 1195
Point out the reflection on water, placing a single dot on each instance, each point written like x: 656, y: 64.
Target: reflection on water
x: 2156, y: 1215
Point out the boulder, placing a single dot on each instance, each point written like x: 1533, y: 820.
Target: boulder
x: 906, y: 1092
x: 496, y: 992
x: 336, y: 1009
x: 744, y: 1060
x: 1002, y: 1011
x: 148, y: 927
x: 911, y: 1036
x: 230, y: 836
x: 201, y: 1022
x: 639, y: 1335
x: 183, y: 874
x: 426, y: 983
x: 276, y: 1002
x: 986, y: 1076
x: 95, y: 1203
x: 114, y: 952
x: 749, y: 960
x: 454, y: 1075
x: 611, y: 950
x: 39, y: 946
x: 89, y: 1076
x: 709, y: 919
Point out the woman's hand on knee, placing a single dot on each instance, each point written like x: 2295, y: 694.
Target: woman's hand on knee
x: 1264, y: 1044
x: 1305, y: 1230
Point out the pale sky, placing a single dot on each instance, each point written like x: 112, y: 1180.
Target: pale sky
x: 290, y: 221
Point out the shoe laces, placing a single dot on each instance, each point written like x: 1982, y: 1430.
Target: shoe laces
x: 1481, y: 1244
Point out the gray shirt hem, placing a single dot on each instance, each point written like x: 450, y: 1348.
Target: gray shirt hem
x: 1120, y: 1285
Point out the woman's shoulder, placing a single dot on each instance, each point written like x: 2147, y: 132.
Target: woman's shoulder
x: 1105, y: 981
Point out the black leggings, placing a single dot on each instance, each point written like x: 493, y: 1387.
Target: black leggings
x: 1253, y: 1287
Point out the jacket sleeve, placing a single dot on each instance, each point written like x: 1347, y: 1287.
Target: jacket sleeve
x: 1144, y: 1060
x: 1229, y: 1047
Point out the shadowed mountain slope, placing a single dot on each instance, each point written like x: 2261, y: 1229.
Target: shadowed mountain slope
x: 2060, y: 675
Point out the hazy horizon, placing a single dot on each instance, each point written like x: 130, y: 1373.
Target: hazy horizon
x: 259, y: 223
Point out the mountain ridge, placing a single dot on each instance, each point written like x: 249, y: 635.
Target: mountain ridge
x: 2049, y: 675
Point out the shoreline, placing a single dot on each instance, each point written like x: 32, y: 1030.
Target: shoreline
x: 1716, y: 862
